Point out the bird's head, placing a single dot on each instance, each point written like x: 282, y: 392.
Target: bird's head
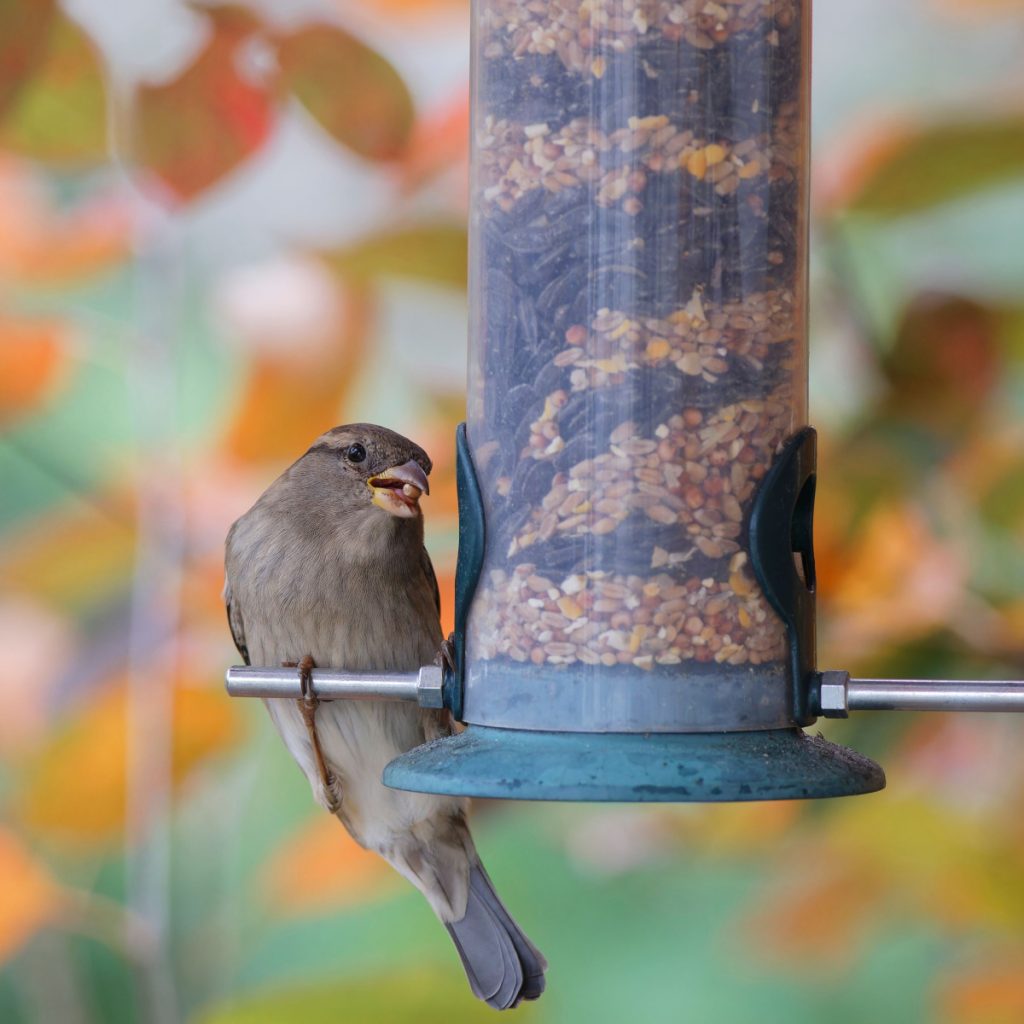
x: 372, y: 465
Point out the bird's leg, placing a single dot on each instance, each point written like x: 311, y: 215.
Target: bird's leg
x: 308, y: 703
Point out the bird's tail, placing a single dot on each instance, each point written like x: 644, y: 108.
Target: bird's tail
x: 502, y: 964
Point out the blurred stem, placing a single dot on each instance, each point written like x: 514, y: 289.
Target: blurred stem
x: 48, y: 983
x: 156, y: 595
x: 48, y: 979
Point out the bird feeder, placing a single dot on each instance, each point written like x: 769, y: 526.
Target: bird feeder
x: 635, y: 613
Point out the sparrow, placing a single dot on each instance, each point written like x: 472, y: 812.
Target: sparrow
x: 328, y: 569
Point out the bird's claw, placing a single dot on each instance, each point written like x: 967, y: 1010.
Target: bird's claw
x: 330, y: 788
x: 445, y: 656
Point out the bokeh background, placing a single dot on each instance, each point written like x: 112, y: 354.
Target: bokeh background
x: 224, y: 229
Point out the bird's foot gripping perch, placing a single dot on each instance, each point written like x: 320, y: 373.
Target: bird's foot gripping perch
x: 308, y: 703
x: 445, y: 657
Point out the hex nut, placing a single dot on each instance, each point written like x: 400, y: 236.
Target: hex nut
x: 429, y: 687
x: 832, y: 694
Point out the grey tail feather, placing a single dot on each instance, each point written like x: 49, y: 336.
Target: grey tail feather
x: 503, y: 966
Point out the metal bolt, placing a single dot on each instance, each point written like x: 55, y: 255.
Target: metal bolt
x: 833, y: 694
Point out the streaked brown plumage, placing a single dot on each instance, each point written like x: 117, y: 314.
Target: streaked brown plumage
x: 329, y: 564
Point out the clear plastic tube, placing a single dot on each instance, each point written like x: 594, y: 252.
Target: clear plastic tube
x: 638, y: 351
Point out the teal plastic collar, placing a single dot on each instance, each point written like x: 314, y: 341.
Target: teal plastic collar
x: 778, y: 764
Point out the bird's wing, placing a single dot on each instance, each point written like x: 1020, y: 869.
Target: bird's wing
x: 235, y: 623
x: 428, y: 571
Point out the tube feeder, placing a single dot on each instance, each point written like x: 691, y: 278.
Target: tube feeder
x: 637, y: 410
x: 635, y: 590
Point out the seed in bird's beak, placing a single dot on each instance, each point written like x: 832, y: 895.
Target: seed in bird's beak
x: 397, y: 490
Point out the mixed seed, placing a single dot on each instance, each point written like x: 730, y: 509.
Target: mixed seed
x: 638, y: 231
x: 578, y: 32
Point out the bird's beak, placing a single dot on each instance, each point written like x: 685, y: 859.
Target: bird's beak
x: 397, y: 490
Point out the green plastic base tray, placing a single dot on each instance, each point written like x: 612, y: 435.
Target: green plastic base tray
x: 778, y: 764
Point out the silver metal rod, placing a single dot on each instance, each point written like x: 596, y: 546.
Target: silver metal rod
x: 423, y: 686
x: 838, y: 694
x: 935, y: 695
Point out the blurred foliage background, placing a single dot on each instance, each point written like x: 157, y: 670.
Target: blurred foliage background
x: 224, y: 229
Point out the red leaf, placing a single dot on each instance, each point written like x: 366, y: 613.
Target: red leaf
x: 193, y: 131
x: 352, y: 91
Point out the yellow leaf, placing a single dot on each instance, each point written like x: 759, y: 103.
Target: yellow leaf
x: 60, y: 113
x: 956, y: 868
x: 77, y: 785
x: 35, y: 560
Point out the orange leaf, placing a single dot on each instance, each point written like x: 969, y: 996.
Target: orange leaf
x: 898, y: 579
x: 286, y: 402
x: 739, y: 829
x: 992, y: 993
x: 33, y: 359
x: 41, y: 245
x: 440, y: 140
x: 322, y: 866
x: 77, y: 786
x: 352, y: 91
x: 196, y: 129
x: 28, y: 895
x: 820, y: 916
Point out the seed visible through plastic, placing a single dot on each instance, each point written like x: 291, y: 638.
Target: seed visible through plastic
x: 638, y: 231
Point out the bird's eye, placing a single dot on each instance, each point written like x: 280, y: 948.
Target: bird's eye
x: 355, y: 453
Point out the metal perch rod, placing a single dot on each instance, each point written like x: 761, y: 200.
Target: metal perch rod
x: 423, y: 686
x: 839, y: 694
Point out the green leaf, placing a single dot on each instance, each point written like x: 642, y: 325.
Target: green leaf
x: 24, y: 27
x: 433, y: 252
x: 60, y: 113
x: 1003, y: 503
x: 352, y: 91
x: 410, y: 997
x: 196, y: 129
x: 943, y: 163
